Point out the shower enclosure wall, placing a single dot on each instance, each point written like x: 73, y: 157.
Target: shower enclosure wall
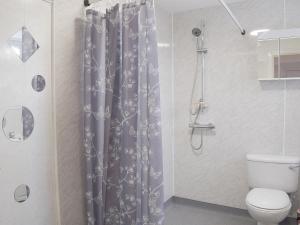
x: 27, y: 147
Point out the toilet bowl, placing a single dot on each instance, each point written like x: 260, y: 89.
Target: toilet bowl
x: 268, y: 206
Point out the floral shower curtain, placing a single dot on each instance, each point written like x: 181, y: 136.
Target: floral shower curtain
x: 122, y: 136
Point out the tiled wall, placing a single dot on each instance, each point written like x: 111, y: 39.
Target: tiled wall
x: 68, y: 110
x: 164, y: 30
x: 250, y: 116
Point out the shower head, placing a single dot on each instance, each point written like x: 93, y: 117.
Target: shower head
x: 196, y: 32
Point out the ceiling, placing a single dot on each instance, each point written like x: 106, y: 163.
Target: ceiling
x: 185, y: 5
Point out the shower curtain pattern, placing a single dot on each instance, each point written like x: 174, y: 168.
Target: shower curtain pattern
x: 122, y: 117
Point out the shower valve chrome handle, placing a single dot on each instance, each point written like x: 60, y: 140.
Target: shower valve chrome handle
x: 202, y: 50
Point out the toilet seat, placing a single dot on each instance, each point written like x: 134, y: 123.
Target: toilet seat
x: 268, y: 206
x: 268, y: 200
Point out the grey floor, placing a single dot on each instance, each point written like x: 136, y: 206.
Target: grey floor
x: 187, y: 212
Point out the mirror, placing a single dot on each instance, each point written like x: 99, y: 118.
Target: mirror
x: 278, y: 54
x: 22, y: 193
x: 267, y: 55
x: 23, y: 44
x: 289, y: 63
x: 38, y: 83
x: 18, y: 124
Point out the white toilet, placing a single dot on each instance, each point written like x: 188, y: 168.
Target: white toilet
x: 271, y: 178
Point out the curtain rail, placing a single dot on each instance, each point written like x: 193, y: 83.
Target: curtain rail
x: 243, y: 31
x: 87, y: 3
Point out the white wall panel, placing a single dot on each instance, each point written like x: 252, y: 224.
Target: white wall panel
x: 30, y: 162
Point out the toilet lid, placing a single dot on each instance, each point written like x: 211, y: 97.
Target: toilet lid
x: 268, y: 199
